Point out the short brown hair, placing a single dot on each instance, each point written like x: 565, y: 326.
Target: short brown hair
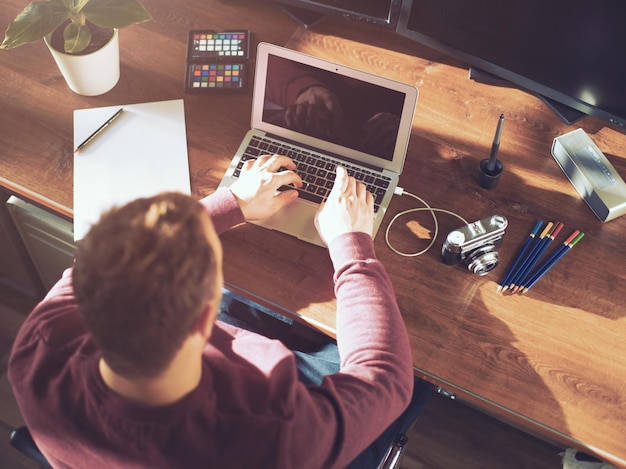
x: 142, y: 276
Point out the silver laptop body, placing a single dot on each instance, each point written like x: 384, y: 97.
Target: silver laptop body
x: 367, y: 132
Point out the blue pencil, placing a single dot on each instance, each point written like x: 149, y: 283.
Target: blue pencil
x: 503, y: 284
x: 554, y: 232
x: 551, y: 262
x: 518, y: 276
x: 564, y: 247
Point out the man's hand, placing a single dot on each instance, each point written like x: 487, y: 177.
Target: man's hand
x: 349, y: 208
x: 256, y: 189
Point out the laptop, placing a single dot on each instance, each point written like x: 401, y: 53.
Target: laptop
x: 322, y: 114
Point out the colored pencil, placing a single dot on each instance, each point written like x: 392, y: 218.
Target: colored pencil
x: 503, y: 284
x: 554, y: 232
x: 518, y: 276
x: 551, y: 262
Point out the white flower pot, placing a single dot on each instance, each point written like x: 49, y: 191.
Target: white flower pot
x: 91, y: 74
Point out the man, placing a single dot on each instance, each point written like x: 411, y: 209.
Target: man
x: 123, y: 364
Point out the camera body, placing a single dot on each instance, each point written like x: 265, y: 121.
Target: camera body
x: 475, y: 244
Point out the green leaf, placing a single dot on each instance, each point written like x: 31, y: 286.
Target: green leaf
x: 35, y: 22
x: 76, y: 38
x: 41, y: 18
x: 115, y: 13
x: 75, y: 6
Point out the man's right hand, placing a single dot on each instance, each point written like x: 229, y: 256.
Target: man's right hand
x: 349, y: 208
x: 256, y: 189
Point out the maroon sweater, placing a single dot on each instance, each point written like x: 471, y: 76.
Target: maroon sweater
x: 249, y: 409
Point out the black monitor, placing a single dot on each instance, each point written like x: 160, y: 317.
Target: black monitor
x: 569, y: 52
x: 378, y: 12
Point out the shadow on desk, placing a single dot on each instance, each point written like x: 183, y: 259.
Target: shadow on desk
x: 517, y: 352
x: 458, y: 339
x: 526, y: 193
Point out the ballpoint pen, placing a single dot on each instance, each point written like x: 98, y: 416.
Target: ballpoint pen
x: 98, y: 130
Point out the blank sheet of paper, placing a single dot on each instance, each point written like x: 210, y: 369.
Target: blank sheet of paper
x: 141, y: 153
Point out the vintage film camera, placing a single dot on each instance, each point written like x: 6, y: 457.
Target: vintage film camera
x: 475, y: 244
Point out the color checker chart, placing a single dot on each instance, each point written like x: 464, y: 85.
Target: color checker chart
x: 210, y: 45
x: 216, y: 76
x: 217, y: 61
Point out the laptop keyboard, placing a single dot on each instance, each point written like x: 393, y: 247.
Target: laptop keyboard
x: 317, y: 171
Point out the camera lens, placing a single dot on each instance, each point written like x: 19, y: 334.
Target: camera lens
x: 482, y: 260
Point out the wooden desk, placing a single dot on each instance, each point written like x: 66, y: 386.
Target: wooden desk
x: 552, y: 362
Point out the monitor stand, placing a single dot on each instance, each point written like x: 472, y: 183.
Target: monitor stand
x: 306, y: 18
x: 566, y: 114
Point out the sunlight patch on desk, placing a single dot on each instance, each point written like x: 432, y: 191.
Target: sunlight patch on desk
x: 418, y: 230
x: 543, y: 337
x: 541, y: 178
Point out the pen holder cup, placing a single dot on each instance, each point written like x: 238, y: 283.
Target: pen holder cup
x: 489, y: 179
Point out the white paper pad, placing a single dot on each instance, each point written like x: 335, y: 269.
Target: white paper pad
x: 143, y: 152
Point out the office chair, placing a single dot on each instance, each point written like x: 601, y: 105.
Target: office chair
x: 393, y: 458
x: 22, y: 440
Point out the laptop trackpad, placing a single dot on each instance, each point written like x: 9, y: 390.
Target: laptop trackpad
x: 296, y: 219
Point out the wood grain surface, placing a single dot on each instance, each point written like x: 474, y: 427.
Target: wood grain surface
x: 553, y: 362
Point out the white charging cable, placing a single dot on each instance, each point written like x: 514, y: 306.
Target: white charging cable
x: 426, y: 208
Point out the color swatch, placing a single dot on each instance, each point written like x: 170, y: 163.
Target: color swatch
x: 212, y: 75
x: 219, y: 45
x: 216, y: 61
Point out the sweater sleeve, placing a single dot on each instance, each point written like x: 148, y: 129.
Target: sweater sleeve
x: 375, y: 381
x: 376, y: 362
x: 224, y: 210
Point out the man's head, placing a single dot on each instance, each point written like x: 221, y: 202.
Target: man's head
x: 143, y: 276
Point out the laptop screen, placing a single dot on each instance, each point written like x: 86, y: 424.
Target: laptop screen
x: 334, y: 108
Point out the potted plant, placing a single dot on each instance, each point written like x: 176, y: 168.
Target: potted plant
x: 82, y: 36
